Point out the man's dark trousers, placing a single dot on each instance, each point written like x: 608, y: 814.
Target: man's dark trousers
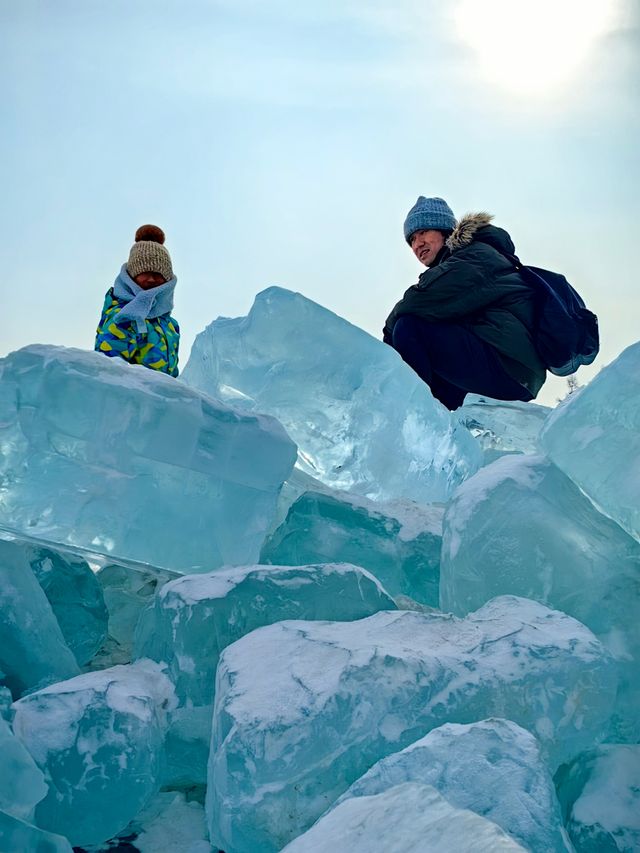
x: 453, y: 361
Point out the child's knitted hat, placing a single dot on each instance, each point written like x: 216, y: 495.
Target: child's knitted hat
x: 148, y: 253
x: 429, y: 213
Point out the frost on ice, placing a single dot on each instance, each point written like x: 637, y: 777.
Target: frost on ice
x: 98, y: 739
x: 406, y: 817
x: 600, y: 797
x: 468, y: 765
x: 336, y: 697
x: 194, y: 618
x: 204, y: 647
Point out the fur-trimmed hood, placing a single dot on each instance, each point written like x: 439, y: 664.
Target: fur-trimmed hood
x: 476, y: 227
x: 465, y: 230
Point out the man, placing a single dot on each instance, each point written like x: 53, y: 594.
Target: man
x: 466, y: 326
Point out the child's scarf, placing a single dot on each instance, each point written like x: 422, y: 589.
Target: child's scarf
x: 142, y: 304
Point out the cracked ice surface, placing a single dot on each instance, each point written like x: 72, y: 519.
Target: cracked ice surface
x: 127, y: 461
x: 304, y: 708
x: 344, y: 397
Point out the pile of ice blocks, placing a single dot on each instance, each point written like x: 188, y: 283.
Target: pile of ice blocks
x: 292, y: 603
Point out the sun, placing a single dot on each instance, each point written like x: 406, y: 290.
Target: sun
x: 533, y: 47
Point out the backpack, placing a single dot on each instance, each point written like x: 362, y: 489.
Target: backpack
x: 565, y: 333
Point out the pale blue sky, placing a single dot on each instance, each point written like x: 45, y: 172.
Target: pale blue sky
x: 283, y: 143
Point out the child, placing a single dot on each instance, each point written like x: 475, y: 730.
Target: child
x: 136, y: 322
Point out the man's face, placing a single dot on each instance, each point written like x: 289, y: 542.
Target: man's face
x: 426, y: 245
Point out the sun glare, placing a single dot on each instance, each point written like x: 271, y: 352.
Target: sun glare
x: 532, y: 46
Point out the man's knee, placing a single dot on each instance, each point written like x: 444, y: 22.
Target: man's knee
x: 407, y: 331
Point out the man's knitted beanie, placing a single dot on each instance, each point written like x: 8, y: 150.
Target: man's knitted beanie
x: 148, y: 253
x: 429, y: 213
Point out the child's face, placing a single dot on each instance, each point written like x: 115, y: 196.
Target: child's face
x: 147, y: 280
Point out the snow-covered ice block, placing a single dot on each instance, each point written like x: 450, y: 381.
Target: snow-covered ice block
x: 303, y: 709
x: 594, y: 437
x: 98, y: 740
x: 192, y: 619
x: 18, y: 836
x: 362, y: 419
x: 72, y: 591
x: 492, y: 767
x: 22, y: 784
x: 32, y: 649
x: 520, y: 526
x: 600, y: 797
x: 399, y: 543
x: 503, y: 426
x: 133, y: 463
x: 409, y: 817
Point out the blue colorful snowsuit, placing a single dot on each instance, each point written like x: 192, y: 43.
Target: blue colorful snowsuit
x: 156, y: 349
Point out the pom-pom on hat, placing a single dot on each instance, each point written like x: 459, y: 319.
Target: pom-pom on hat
x: 429, y: 213
x: 148, y: 253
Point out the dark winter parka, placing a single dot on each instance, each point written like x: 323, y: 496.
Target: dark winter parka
x: 476, y: 286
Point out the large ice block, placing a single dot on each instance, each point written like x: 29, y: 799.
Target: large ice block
x: 303, y: 709
x: 493, y: 768
x: 600, y: 796
x: 520, y: 526
x: 409, y: 817
x: 72, y: 591
x: 192, y: 619
x: 98, y: 740
x: 362, y: 419
x: 22, y: 784
x: 133, y: 463
x: 32, y: 649
x: 594, y: 437
x: 503, y: 426
x: 19, y: 836
x: 399, y: 543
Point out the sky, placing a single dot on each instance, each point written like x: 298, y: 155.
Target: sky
x: 283, y: 143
